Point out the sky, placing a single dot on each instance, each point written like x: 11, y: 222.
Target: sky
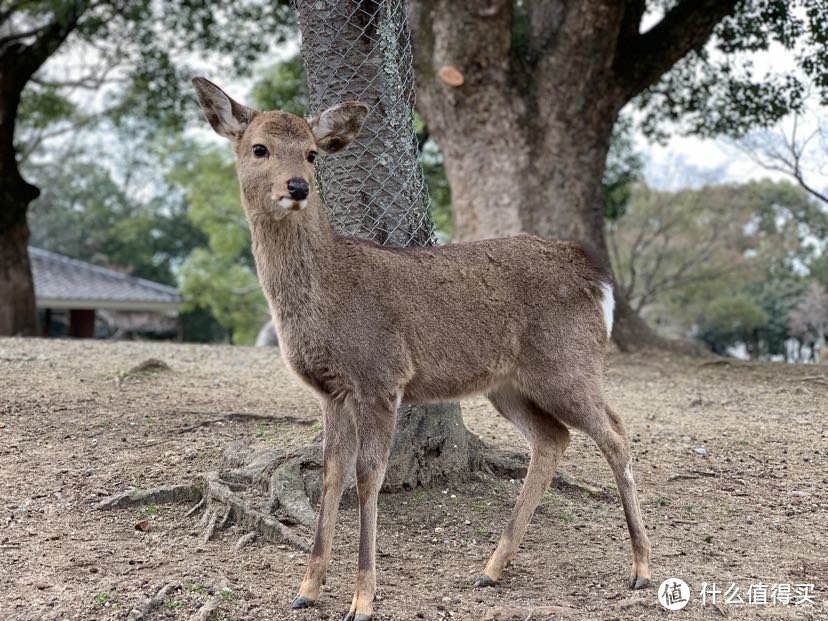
x: 703, y: 161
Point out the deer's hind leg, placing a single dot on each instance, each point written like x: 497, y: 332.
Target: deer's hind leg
x: 548, y: 440
x: 612, y: 439
x: 582, y: 407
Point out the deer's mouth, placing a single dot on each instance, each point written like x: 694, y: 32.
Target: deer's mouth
x: 291, y: 204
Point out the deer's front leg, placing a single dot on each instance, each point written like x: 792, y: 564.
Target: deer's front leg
x: 376, y: 434
x: 339, y: 453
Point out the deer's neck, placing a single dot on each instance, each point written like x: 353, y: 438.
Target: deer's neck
x: 291, y: 256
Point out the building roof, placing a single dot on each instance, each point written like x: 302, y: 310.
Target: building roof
x: 61, y: 282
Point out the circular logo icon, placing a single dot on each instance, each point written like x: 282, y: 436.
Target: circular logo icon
x: 673, y: 594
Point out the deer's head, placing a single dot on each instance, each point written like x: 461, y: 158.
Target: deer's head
x: 275, y: 151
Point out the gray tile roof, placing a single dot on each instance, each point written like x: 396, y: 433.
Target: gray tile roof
x: 62, y: 282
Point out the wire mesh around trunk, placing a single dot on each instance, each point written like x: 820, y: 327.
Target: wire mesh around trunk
x: 362, y: 50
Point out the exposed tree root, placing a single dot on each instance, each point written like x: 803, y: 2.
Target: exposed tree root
x: 209, y: 607
x: 269, y: 493
x: 265, y: 492
x: 146, y: 606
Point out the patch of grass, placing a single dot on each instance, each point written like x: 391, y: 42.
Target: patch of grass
x: 194, y: 587
x: 566, y: 517
x: 102, y: 599
x: 481, y: 507
x: 481, y: 532
x: 261, y: 431
x: 316, y: 427
x: 419, y: 494
x: 152, y: 510
x: 551, y: 497
x: 663, y: 501
x: 173, y: 604
x: 227, y: 594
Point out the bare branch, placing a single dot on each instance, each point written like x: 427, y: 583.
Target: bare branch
x: 781, y: 151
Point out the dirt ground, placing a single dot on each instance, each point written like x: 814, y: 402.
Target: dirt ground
x: 730, y: 462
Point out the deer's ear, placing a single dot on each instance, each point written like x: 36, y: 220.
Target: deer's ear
x: 337, y: 126
x: 228, y: 117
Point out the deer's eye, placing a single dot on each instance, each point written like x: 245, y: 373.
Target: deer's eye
x: 259, y: 150
x: 312, y: 156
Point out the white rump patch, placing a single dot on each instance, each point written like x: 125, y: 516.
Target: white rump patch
x: 608, y: 304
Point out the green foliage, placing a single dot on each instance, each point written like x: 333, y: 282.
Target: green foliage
x: 219, y: 277
x: 228, y: 289
x: 726, y: 263
x: 283, y: 87
x: 818, y: 269
x: 149, y: 46
x: 729, y: 320
x: 84, y: 213
x: 717, y: 89
x: 776, y: 297
x: 42, y: 106
x: 623, y: 168
x: 434, y: 173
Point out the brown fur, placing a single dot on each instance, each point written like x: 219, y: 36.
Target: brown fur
x: 365, y: 326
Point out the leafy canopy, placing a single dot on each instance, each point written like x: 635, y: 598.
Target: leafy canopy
x: 718, y: 89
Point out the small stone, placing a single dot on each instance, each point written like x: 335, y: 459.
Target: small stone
x: 700, y: 450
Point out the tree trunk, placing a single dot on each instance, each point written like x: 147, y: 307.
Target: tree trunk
x: 17, y: 310
x: 525, y: 140
x: 374, y: 189
x: 17, y: 300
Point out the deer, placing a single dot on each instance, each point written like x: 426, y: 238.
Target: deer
x: 523, y: 320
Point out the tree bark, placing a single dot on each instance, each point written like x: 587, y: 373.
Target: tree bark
x: 18, y: 62
x: 374, y: 189
x: 17, y: 312
x: 17, y: 301
x: 525, y: 136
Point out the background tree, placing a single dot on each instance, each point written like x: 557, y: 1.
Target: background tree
x: 733, y: 320
x: 680, y: 256
x: 139, y: 43
x: 218, y: 275
x: 809, y: 319
x: 522, y: 97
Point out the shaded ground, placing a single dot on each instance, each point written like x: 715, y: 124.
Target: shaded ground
x: 74, y: 428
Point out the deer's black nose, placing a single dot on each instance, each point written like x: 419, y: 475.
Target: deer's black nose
x: 298, y: 189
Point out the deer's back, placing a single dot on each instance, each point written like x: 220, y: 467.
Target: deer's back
x: 453, y: 318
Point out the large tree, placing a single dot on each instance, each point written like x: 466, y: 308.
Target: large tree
x: 522, y: 97
x: 139, y: 43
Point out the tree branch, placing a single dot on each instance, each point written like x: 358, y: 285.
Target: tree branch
x: 51, y: 38
x: 642, y: 60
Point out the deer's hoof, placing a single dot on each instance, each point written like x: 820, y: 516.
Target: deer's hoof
x: 301, y: 602
x: 639, y: 582
x: 484, y: 581
x: 356, y: 617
